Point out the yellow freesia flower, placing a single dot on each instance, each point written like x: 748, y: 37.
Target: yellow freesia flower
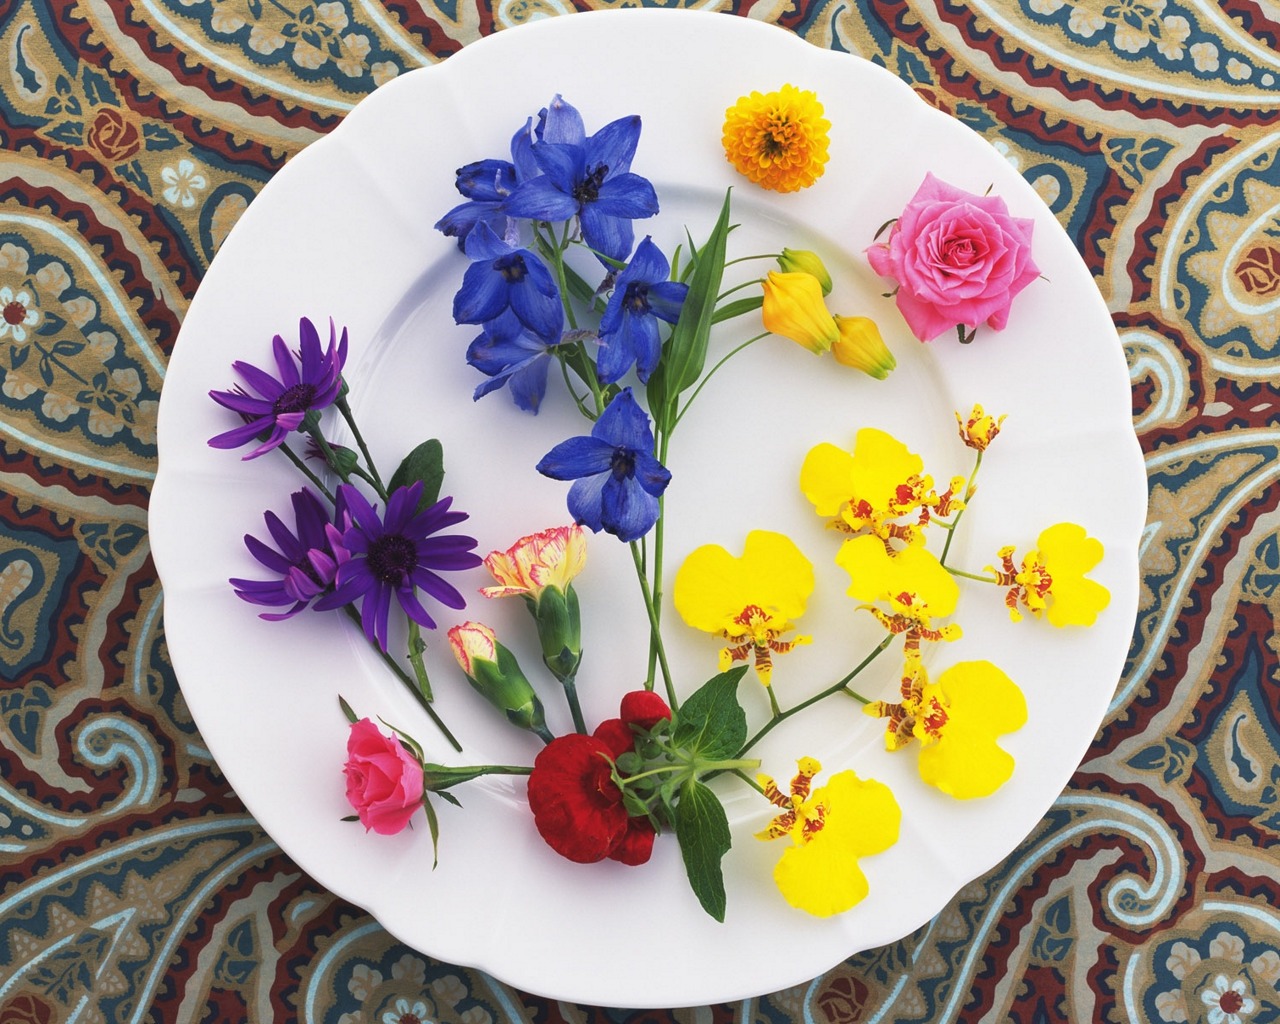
x: 1051, y: 580
x: 830, y: 829
x: 860, y: 346
x: 750, y: 601
x: 871, y: 489
x: 777, y: 140
x: 793, y: 308
x: 805, y: 261
x: 961, y: 716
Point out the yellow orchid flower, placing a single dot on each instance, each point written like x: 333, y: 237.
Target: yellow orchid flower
x: 979, y: 429
x: 861, y: 347
x: 1051, y: 580
x: 912, y: 580
x: 871, y: 489
x: 750, y: 601
x: 830, y: 828
x: 793, y: 308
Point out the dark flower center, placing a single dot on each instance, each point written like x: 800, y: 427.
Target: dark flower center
x: 623, y: 463
x: 636, y: 300
x: 391, y: 558
x: 511, y: 268
x: 410, y: 1018
x: 588, y: 189
x: 15, y: 313
x: 297, y: 398
x: 1231, y: 1002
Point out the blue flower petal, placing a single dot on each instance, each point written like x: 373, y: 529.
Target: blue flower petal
x: 560, y: 122
x: 612, y: 236
x: 666, y: 299
x: 584, y: 501
x: 627, y: 195
x: 651, y: 474
x: 491, y: 180
x: 483, y: 295
x: 624, y: 424
x: 615, y: 144
x: 577, y: 457
x: 541, y: 199
x: 626, y: 510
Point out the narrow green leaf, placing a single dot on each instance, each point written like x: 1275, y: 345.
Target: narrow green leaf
x: 352, y: 717
x: 702, y: 829
x: 711, y: 723
x: 686, y: 350
x: 737, y: 308
x: 425, y: 463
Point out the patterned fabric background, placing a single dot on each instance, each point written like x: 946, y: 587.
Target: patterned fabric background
x: 133, y: 885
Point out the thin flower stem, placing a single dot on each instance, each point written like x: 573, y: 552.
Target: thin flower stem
x: 575, y: 709
x: 306, y: 470
x: 707, y: 376
x: 773, y: 702
x: 748, y: 259
x: 659, y: 535
x: 409, y: 683
x: 753, y: 283
x: 968, y: 493
x: 577, y: 399
x: 971, y: 575
x: 347, y: 415
x: 655, y: 634
x: 749, y: 780
x: 557, y: 260
x: 837, y: 687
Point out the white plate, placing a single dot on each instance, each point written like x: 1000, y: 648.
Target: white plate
x: 345, y: 230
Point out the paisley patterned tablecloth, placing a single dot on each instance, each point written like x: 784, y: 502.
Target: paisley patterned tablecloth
x: 134, y: 886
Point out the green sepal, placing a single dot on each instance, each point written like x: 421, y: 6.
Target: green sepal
x: 352, y: 717
x: 559, y: 621
x: 434, y: 826
x: 702, y: 829
x: 350, y: 817
x: 711, y: 723
x: 504, y: 685
x: 425, y: 463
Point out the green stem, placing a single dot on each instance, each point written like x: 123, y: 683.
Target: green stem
x: 773, y: 702
x: 708, y: 375
x: 571, y: 695
x: 753, y: 283
x: 968, y: 493
x: 409, y: 683
x: 347, y: 415
x: 655, y: 634
x: 416, y: 646
x: 970, y: 575
x: 843, y: 684
x: 306, y: 470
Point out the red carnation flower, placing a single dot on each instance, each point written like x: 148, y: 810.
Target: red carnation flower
x: 577, y: 807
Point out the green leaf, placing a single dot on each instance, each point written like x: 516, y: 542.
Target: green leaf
x: 352, y: 717
x: 686, y: 350
x: 737, y: 308
x: 711, y: 723
x: 434, y: 826
x: 703, y: 831
x: 425, y: 463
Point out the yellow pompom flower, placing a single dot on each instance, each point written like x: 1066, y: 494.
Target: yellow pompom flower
x: 749, y: 601
x: 830, y: 829
x: 777, y: 140
x: 1051, y: 580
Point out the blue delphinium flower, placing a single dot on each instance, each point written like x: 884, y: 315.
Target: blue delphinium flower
x: 617, y: 480
x: 308, y: 382
x: 502, y: 277
x: 486, y: 184
x: 589, y: 178
x: 306, y: 563
x: 394, y: 555
x: 510, y: 356
x: 641, y: 297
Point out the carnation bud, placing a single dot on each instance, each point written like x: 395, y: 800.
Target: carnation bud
x: 802, y: 261
x: 496, y: 675
x: 559, y: 630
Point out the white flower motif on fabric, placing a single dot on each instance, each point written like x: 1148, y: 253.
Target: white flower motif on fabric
x: 1227, y: 1002
x: 405, y: 1012
x: 183, y: 182
x: 18, y: 314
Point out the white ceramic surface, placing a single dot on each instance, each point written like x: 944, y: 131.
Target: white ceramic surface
x: 345, y: 230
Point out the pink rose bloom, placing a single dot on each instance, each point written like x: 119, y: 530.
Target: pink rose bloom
x: 384, y: 780
x: 958, y: 259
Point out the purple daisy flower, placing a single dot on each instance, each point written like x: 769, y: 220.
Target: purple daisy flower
x: 309, y: 380
x: 305, y: 561
x: 394, y: 555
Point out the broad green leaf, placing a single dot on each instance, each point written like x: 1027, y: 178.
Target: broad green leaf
x: 711, y: 723
x: 703, y: 831
x: 425, y: 463
x: 686, y: 350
